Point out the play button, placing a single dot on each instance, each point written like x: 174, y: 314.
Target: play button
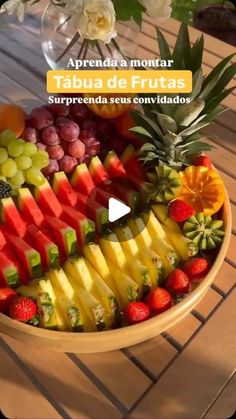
x: 117, y: 210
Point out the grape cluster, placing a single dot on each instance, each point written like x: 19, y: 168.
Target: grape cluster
x: 21, y: 161
x: 69, y: 134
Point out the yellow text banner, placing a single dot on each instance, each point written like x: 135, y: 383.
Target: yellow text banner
x: 122, y: 81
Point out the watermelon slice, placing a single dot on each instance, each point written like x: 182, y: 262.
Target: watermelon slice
x: 29, y: 257
x: 64, y: 236
x: 132, y: 164
x: 98, y: 172
x: 44, y: 245
x: 93, y: 210
x: 11, y: 216
x: 63, y: 189
x: 113, y: 165
x: 23, y: 274
x: 85, y: 228
x: 47, y: 200
x: 30, y: 210
x: 127, y: 194
x: 9, y: 275
x: 2, y: 240
x: 81, y: 179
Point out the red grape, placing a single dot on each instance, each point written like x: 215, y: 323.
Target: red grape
x: 41, y: 146
x: 70, y: 131
x: 85, y: 159
x: 61, y: 120
x: 55, y: 152
x: 79, y: 112
x: 30, y: 134
x: 92, y: 145
x: 85, y: 134
x: 40, y: 118
x: 52, y: 168
x: 67, y: 164
x: 88, y: 124
x: 59, y: 109
x: 50, y: 135
x: 76, y: 149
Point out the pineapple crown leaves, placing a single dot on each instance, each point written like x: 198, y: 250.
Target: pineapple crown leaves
x: 172, y: 132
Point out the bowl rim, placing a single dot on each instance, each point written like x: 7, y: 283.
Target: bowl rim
x: 128, y: 333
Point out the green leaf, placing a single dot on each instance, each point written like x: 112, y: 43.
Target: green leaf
x: 191, y: 130
x: 196, y: 147
x: 164, y: 49
x: 197, y: 54
x: 128, y: 9
x: 227, y: 76
x: 182, y: 50
x: 216, y: 100
x: 197, y: 84
x: 141, y: 131
x: 147, y: 123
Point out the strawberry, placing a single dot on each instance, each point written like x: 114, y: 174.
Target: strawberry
x: 22, y: 309
x: 177, y: 282
x: 136, y: 312
x: 180, y: 211
x: 159, y: 300
x: 196, y: 268
x: 203, y: 160
x: 6, y: 296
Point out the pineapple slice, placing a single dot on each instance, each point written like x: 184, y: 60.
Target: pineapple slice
x: 160, y: 243
x: 49, y: 312
x: 31, y: 290
x: 112, y: 248
x: 155, y: 265
x: 128, y: 289
x: 185, y: 247
x: 140, y: 271
x: 78, y: 270
x: 106, y: 295
x: 141, y: 234
x: 94, y: 255
x: 67, y: 300
x: 91, y: 305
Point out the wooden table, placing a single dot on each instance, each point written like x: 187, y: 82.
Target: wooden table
x: 188, y: 372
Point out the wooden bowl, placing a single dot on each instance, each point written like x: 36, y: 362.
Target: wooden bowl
x: 126, y: 336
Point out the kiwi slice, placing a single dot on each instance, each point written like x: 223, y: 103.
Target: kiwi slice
x: 204, y: 231
x: 165, y: 184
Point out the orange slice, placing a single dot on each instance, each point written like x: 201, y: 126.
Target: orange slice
x: 12, y: 117
x: 202, y: 188
x: 109, y: 110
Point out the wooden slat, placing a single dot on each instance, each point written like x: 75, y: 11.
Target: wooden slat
x: 184, y: 330
x: 192, y: 382
x: 225, y: 137
x: 19, y: 397
x: 154, y: 354
x: 229, y: 184
x: 226, y: 278
x: 224, y: 406
x: 226, y: 119
x: 119, y: 375
x: 223, y: 158
x: 231, y: 251
x: 67, y: 384
x: 208, y: 303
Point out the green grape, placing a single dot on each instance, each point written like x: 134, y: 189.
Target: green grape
x: 6, y: 137
x: 9, y: 168
x: 40, y: 159
x: 34, y: 176
x: 23, y: 162
x: 30, y: 149
x: 18, y: 179
x: 3, y: 155
x: 15, y: 148
x: 3, y: 178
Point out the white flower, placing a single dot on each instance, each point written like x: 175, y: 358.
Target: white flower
x: 95, y: 19
x: 15, y: 8
x: 160, y: 9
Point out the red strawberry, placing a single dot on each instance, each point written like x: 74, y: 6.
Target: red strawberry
x: 136, y: 312
x: 180, y: 211
x: 22, y: 309
x: 159, y: 300
x: 203, y: 161
x: 177, y: 282
x: 6, y: 297
x: 196, y: 268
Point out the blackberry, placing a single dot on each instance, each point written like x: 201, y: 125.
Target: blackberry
x: 5, y: 189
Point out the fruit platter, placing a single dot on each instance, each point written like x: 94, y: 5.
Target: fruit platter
x: 70, y: 279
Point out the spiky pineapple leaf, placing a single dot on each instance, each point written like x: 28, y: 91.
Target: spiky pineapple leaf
x: 164, y: 49
x: 182, y: 50
x: 166, y: 122
x: 197, y: 147
x: 225, y: 79
x: 140, y: 130
x: 216, y: 100
x: 197, y: 54
x: 197, y: 84
x: 191, y: 130
x: 147, y: 123
x: 187, y: 113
